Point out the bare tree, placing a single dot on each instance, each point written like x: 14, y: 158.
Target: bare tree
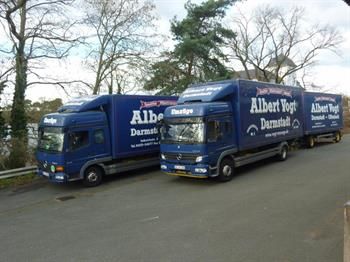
x: 277, y: 43
x: 38, y: 30
x: 121, y: 37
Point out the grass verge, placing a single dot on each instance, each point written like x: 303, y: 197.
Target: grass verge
x: 18, y: 181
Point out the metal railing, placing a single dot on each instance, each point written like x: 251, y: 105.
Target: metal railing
x: 17, y: 172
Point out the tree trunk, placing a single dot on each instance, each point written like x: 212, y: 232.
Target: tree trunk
x: 111, y: 84
x: 2, y: 120
x: 18, y: 115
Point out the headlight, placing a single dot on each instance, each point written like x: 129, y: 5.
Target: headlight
x: 163, y: 166
x: 199, y: 158
x: 162, y: 156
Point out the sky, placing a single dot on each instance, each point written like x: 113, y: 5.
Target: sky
x: 332, y: 71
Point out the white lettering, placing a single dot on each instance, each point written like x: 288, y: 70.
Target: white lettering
x: 333, y: 117
x: 183, y: 111
x: 147, y: 117
x: 290, y: 107
x: 271, y: 124
x: 51, y: 121
x: 143, y: 132
x: 259, y: 105
x: 333, y: 108
x: 317, y: 108
x: 317, y: 118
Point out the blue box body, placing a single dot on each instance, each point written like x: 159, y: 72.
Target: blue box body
x: 323, y: 113
x: 133, y: 123
x: 257, y: 107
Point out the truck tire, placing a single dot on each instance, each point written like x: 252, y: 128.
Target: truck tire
x: 310, y: 142
x: 92, y: 176
x: 226, y: 170
x: 283, y: 155
x: 337, y: 137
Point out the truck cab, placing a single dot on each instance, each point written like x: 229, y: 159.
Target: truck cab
x: 193, y: 137
x: 75, y: 136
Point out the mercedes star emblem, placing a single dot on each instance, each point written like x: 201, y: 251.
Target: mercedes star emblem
x: 179, y: 156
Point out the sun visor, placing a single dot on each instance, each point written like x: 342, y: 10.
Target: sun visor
x: 83, y: 104
x: 207, y: 92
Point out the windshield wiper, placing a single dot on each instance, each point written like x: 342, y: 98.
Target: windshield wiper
x: 183, y: 130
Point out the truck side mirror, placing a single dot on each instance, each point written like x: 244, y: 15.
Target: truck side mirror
x: 159, y: 125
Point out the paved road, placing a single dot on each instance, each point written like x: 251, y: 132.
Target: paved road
x: 272, y: 211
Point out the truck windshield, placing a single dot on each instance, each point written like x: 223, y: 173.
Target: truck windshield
x: 184, y: 131
x: 51, y: 139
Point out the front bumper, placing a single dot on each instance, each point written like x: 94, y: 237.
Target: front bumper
x: 59, y: 177
x: 187, y: 170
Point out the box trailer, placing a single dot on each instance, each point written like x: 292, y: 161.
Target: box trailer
x: 323, y: 117
x: 100, y: 135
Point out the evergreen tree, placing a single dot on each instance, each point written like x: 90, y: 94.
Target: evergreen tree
x: 197, y: 56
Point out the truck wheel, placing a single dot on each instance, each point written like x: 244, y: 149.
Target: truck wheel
x: 282, y: 156
x: 337, y: 137
x: 92, y: 176
x: 226, y: 170
x: 310, y: 142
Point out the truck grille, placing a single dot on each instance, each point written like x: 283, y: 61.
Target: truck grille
x: 181, y: 157
x: 44, y: 166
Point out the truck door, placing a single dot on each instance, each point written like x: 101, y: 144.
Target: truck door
x: 220, y: 137
x: 79, y: 149
x: 100, y: 142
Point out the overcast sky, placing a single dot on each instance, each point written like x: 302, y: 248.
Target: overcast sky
x: 332, y: 71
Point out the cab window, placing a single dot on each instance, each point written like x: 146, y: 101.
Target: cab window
x: 99, y: 137
x: 218, y: 130
x: 78, y: 140
x: 213, y: 131
x: 227, y: 127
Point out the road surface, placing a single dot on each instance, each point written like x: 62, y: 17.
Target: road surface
x: 271, y: 211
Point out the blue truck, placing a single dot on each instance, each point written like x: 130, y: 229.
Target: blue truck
x: 323, y: 117
x: 218, y: 126
x: 100, y: 135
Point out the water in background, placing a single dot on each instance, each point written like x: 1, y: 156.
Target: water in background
x: 32, y: 139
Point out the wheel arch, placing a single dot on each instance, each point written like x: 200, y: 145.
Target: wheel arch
x: 96, y: 162
x: 228, y: 153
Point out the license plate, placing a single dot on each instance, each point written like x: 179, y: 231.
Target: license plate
x: 180, y: 167
x: 45, y: 173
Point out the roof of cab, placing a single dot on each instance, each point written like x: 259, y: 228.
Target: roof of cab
x: 86, y: 103
x: 72, y: 119
x: 208, y: 92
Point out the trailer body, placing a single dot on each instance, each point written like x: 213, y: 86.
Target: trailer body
x: 323, y: 117
x: 322, y: 113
